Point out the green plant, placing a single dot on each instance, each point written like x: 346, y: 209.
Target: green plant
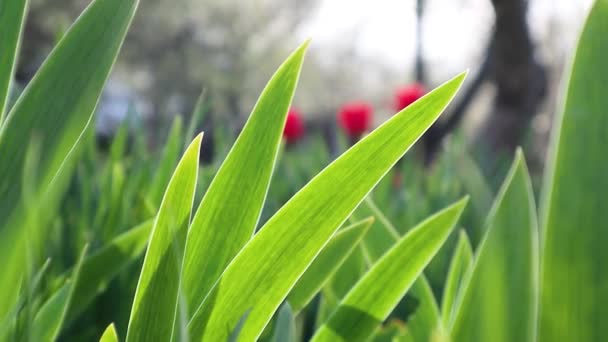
x: 292, y: 260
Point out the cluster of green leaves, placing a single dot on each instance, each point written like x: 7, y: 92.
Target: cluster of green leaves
x: 326, y: 263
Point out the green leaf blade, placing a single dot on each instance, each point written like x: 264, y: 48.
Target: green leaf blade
x: 51, y: 316
x: 425, y: 323
x: 285, y: 328
x: 109, y: 335
x: 574, y: 298
x: 55, y: 108
x: 12, y: 17
x: 221, y: 225
x: 101, y: 267
x: 372, y: 299
x: 169, y: 159
x: 261, y: 275
x: 156, y: 298
x: 500, y: 297
x: 327, y: 263
x: 459, y: 266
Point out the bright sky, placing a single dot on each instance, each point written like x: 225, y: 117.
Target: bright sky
x: 454, y: 31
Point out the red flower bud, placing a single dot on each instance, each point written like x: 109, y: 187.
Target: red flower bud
x: 355, y: 118
x: 294, y: 126
x: 408, y: 95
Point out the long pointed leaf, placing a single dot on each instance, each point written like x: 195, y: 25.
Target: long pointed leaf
x: 55, y: 107
x: 425, y: 323
x: 50, y: 318
x: 285, y: 327
x: 198, y: 116
x: 109, y: 335
x: 574, y: 300
x: 155, y: 304
x: 12, y: 15
x: 265, y: 270
x: 499, y: 301
x: 222, y: 225
x: 170, y: 157
x: 326, y: 263
x: 101, y: 267
x: 378, y: 292
x: 459, y: 266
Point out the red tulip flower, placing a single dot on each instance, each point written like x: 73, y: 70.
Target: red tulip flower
x: 408, y: 95
x: 294, y: 126
x: 355, y: 118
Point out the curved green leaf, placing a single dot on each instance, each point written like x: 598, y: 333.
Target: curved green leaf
x: 459, y: 266
x: 285, y: 327
x: 101, y: 267
x: 155, y: 304
x: 425, y: 323
x: 373, y: 298
x: 223, y: 225
x: 55, y: 107
x: 574, y: 300
x: 12, y: 15
x: 264, y: 271
x: 499, y: 299
x: 197, y: 117
x: 50, y: 317
x: 169, y: 159
x: 327, y: 263
x: 109, y: 335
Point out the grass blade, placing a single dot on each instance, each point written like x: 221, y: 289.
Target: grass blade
x: 425, y: 321
x: 574, y: 218
x: 373, y: 298
x: 109, y: 335
x: 424, y: 324
x: 327, y: 263
x: 12, y: 17
x: 221, y: 225
x: 169, y: 159
x: 56, y: 107
x: 499, y: 300
x: 459, y: 266
x: 101, y: 267
x: 263, y: 273
x: 155, y: 304
x: 50, y: 317
x: 234, y: 335
x: 198, y: 116
x: 285, y: 327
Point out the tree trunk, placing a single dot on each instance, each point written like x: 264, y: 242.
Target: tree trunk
x: 520, y: 80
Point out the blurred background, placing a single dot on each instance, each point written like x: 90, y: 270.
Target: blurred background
x: 516, y: 51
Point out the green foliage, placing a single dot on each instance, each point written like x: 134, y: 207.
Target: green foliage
x: 574, y: 296
x: 50, y: 317
x: 327, y: 263
x: 305, y: 273
x: 100, y: 268
x: 372, y: 299
x: 170, y: 157
x: 460, y: 265
x: 54, y: 109
x: 499, y: 295
x: 155, y: 304
x: 12, y: 15
x: 259, y: 277
x: 222, y: 225
x: 285, y: 327
x: 109, y: 335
